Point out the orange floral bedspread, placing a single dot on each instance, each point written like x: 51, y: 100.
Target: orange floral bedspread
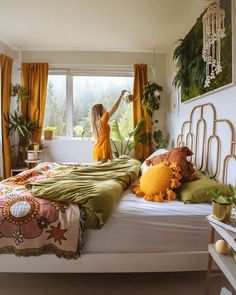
x: 30, y: 226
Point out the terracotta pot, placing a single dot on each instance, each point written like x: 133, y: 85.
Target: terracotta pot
x: 48, y: 135
x: 221, y: 212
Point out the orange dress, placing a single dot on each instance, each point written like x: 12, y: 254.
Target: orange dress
x: 102, y: 149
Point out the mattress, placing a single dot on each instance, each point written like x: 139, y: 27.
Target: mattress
x: 140, y: 226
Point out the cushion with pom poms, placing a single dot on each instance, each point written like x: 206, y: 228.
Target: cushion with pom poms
x: 157, y: 182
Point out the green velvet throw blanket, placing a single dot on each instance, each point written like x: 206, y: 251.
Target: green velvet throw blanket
x: 95, y: 188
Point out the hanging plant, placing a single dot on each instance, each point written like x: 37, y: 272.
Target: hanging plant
x: 161, y: 140
x: 21, y: 94
x: 19, y: 91
x: 151, y: 97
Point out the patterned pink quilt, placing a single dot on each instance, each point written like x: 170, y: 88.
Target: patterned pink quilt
x: 33, y: 226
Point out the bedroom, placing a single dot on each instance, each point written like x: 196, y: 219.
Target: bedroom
x: 101, y: 43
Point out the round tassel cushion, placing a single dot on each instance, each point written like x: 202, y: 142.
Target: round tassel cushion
x: 156, y: 179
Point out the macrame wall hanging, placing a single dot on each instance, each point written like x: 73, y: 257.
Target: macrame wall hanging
x: 213, y: 32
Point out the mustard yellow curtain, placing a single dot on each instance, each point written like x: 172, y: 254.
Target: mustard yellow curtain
x: 35, y: 77
x: 142, y: 151
x: 6, y: 73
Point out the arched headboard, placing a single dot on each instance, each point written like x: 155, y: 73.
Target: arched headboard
x: 212, y: 141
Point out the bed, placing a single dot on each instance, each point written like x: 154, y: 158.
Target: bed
x: 143, y: 236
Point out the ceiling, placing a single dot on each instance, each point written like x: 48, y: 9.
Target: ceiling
x: 111, y: 25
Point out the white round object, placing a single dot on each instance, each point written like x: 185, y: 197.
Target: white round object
x: 222, y: 247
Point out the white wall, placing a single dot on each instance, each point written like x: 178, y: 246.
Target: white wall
x: 224, y: 100
x: 68, y: 150
x: 78, y: 149
x: 4, y: 49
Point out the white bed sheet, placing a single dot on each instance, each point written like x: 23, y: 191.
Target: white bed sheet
x: 140, y: 226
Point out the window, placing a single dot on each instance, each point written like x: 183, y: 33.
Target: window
x: 56, y: 111
x: 70, y: 98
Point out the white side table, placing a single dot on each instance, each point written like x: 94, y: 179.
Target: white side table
x: 33, y: 158
x: 226, y: 263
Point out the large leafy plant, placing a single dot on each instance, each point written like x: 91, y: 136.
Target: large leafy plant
x: 191, y: 71
x: 21, y: 125
x: 225, y: 195
x: 130, y: 143
x: 191, y: 68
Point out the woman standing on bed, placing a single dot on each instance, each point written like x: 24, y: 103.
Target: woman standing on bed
x: 101, y: 130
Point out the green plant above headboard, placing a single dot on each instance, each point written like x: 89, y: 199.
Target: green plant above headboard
x: 191, y: 69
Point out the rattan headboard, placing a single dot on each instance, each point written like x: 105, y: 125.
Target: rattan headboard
x: 199, y: 134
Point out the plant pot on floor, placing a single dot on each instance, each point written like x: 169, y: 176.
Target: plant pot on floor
x: 221, y: 212
x: 48, y: 135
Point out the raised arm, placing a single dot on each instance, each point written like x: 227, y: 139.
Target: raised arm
x: 117, y: 103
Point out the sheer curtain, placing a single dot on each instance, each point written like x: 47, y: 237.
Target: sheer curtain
x: 1, y: 158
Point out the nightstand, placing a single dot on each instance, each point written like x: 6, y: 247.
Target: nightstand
x: 226, y: 263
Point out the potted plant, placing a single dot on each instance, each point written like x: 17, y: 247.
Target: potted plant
x: 130, y: 143
x: 48, y: 132
x: 223, y: 201
x: 25, y: 129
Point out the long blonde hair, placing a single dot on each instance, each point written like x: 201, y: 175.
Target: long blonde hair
x: 96, y: 114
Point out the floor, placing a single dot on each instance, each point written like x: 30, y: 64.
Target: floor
x: 192, y: 283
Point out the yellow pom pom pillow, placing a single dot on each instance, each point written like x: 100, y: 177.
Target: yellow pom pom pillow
x: 157, y: 182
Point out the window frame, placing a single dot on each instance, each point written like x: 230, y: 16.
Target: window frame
x: 84, y: 70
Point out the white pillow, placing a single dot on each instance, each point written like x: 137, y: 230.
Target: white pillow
x: 158, y: 152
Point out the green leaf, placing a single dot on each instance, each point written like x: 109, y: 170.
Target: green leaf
x: 132, y: 145
x: 115, y: 131
x: 223, y: 200
x: 138, y: 128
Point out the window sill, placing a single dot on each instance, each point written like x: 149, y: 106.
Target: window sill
x: 64, y: 138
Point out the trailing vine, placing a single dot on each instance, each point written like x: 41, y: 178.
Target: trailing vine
x: 151, y: 101
x: 151, y: 97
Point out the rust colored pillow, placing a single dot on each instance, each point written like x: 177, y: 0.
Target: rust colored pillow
x: 179, y: 156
